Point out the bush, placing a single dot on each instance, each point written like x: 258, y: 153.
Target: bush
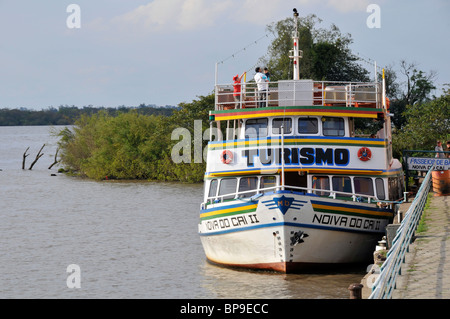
x: 131, y: 145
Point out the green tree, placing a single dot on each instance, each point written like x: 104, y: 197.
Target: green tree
x: 425, y: 123
x: 417, y: 88
x: 131, y: 145
x: 326, y: 52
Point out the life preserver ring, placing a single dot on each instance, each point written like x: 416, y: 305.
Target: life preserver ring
x: 364, y: 154
x: 226, y: 157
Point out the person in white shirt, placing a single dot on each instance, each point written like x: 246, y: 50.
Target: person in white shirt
x: 263, y: 86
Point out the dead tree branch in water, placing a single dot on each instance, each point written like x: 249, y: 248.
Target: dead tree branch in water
x: 24, y: 157
x: 55, y: 161
x: 38, y: 156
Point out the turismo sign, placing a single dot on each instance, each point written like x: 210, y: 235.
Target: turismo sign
x: 424, y: 163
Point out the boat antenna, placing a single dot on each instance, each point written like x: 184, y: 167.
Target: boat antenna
x: 298, y: 54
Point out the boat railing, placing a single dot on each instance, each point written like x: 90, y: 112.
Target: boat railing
x: 300, y: 93
x: 315, y: 191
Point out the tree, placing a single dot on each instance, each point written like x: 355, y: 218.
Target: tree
x: 425, y: 123
x: 326, y: 53
x: 417, y: 89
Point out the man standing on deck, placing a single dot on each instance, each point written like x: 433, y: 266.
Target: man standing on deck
x: 262, y: 83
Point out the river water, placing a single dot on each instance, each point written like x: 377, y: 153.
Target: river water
x: 129, y: 239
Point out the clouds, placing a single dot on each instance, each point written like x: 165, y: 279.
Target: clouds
x: 160, y: 15
x: 349, y: 5
x: 177, y: 15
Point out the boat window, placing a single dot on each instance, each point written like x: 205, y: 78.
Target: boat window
x: 213, y: 188
x: 228, y: 187
x: 333, y: 126
x: 342, y: 185
x: 395, y: 188
x: 247, y: 184
x: 379, y: 183
x: 321, y: 183
x: 308, y: 126
x: 256, y: 128
x: 287, y: 125
x: 268, y: 181
x: 363, y: 185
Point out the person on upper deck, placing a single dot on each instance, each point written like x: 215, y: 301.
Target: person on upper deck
x: 267, y: 74
x: 237, y: 89
x: 261, y: 82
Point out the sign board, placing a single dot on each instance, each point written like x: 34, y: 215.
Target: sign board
x: 425, y: 163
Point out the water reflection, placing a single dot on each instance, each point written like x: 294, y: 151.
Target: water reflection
x: 224, y: 282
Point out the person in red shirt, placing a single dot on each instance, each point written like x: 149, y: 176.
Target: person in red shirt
x: 237, y: 89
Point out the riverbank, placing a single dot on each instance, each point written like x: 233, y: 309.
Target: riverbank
x: 425, y: 274
x: 426, y: 271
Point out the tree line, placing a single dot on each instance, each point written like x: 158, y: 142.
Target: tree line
x: 67, y: 115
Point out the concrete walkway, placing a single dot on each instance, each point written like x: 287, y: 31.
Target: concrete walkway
x: 426, y: 271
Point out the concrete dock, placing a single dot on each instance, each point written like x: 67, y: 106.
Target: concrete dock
x: 426, y: 271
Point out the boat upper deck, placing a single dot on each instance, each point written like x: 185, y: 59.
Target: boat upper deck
x: 300, y: 97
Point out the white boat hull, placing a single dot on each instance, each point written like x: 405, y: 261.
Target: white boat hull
x: 290, y: 232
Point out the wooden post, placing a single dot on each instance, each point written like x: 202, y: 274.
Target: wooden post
x: 355, y: 291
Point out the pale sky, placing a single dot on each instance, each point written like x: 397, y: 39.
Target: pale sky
x: 163, y: 52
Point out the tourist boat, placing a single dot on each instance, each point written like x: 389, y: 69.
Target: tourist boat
x: 289, y: 186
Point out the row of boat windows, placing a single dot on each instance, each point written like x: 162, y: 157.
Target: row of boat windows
x: 343, y: 186
x: 361, y: 185
x: 248, y: 185
x: 331, y: 126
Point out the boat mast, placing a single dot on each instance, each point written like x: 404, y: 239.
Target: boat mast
x: 297, y: 53
x: 282, y: 157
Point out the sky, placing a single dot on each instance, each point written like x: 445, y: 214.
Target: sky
x: 127, y: 52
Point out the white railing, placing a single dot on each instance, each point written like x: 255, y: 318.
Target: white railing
x: 310, y: 191
x: 300, y: 93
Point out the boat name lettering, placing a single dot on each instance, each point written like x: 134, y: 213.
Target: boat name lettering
x: 296, y: 156
x: 343, y: 221
x: 228, y: 222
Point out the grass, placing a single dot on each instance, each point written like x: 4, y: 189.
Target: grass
x: 422, y: 226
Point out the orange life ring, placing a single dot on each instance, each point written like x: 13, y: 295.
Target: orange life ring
x: 226, y: 157
x: 364, y: 154
x: 388, y: 103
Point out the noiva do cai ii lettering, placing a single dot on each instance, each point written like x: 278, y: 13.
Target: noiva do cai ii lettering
x: 298, y: 156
